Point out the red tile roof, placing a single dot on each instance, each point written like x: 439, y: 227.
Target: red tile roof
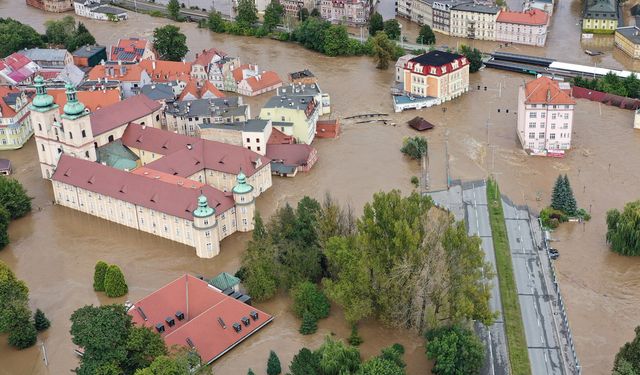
x: 238, y: 72
x: 264, y: 80
x: 327, y: 128
x: 198, y: 92
x: 124, y: 72
x: 168, y: 198
x: 204, y: 58
x: 186, y: 156
x: 5, y: 109
x: 294, y: 154
x: 165, y: 177
x: 545, y: 90
x: 93, y: 100
x: 534, y: 17
x: 16, y: 60
x: 166, y: 71
x: 205, y: 311
x: 121, y: 113
x: 279, y: 138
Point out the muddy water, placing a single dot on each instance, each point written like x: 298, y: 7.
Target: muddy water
x: 54, y: 249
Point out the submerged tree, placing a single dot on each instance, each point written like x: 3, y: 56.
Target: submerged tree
x: 170, y: 43
x: 623, y: 229
x: 414, y: 147
x: 273, y: 364
x: 14, y: 198
x: 98, y: 276
x: 40, y: 321
x: 627, y: 360
x: 455, y: 350
x: 376, y: 23
x: 114, y: 283
x: 383, y: 49
x: 474, y: 56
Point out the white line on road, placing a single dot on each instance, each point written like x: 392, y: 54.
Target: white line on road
x: 493, y: 370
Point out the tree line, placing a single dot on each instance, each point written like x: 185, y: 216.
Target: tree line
x: 612, y: 84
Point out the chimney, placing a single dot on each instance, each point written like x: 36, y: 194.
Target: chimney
x: 123, y: 70
x: 119, y: 62
x: 153, y: 64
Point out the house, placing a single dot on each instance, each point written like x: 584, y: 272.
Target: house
x: 294, y: 7
x: 252, y: 134
x: 293, y: 115
x: 99, y: 10
x: 132, y: 50
x: 600, y: 16
x: 474, y: 21
x: 5, y: 167
x: 56, y: 6
x: 350, y: 12
x: 190, y: 313
x: 438, y: 74
x: 259, y: 84
x: 167, y: 71
x: 402, y: 61
x: 183, y: 117
x: 89, y: 56
x: 288, y: 160
x: 628, y: 40
x: 49, y: 58
x: 420, y: 124
x: 545, y: 116
x: 211, y: 65
x: 528, y: 27
x: 17, y: 69
x: 303, y: 77
x: 225, y: 281
x: 195, y: 90
x: 131, y: 77
x: 15, y: 124
x: 441, y: 14
x: 237, y: 74
x: 328, y: 128
x: 322, y: 99
x: 279, y: 138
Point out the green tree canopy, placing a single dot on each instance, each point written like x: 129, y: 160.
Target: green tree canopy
x: 215, y: 22
x: 455, y: 350
x: 40, y: 321
x: 627, y: 360
x: 305, y: 363
x: 114, y: 284
x: 273, y: 15
x: 392, y: 29
x: 562, y: 198
x: 310, y: 33
x: 99, y: 272
x: 309, y: 324
x: 173, y: 8
x: 382, y: 49
x: 170, y: 43
x: 14, y: 298
x: 474, y: 56
x: 66, y: 33
x: 336, y: 41
x: 14, y: 197
x: 315, y: 12
x: 23, y: 332
x: 336, y: 358
x: 15, y: 36
x: 273, y: 364
x: 376, y: 23
x: 81, y: 37
x: 308, y: 299
x: 303, y: 14
x: 5, y: 218
x: 247, y: 13
x: 623, y: 229
x: 143, y: 346
x: 426, y: 35
x: 181, y: 362
x: 414, y: 147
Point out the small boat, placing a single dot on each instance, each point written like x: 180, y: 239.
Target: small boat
x: 592, y: 53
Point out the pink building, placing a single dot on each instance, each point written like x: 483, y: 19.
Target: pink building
x: 529, y: 27
x: 350, y: 12
x: 545, y: 116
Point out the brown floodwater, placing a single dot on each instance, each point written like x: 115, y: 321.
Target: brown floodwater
x: 54, y: 249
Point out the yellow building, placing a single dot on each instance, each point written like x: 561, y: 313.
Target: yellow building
x: 15, y: 124
x: 600, y: 16
x: 293, y: 115
x: 474, y: 21
x: 628, y: 40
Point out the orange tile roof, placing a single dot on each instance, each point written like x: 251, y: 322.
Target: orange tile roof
x: 264, y: 80
x: 237, y: 72
x: 534, y: 17
x: 6, y: 110
x: 204, y: 58
x: 166, y: 71
x: 279, y: 138
x: 166, y: 177
x: 125, y: 72
x: 193, y: 89
x: 93, y: 100
x: 545, y: 90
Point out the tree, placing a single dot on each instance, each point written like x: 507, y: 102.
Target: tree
x: 170, y: 43
x: 181, y: 362
x: 23, y: 333
x: 558, y: 195
x: 309, y: 324
x: 305, y: 363
x: 261, y: 270
x: 627, y: 360
x: 273, y: 15
x: 303, y: 14
x: 623, y: 229
x: 392, y: 29
x: 315, y: 12
x: 14, y: 198
x: 336, y: 41
x: 426, y: 35
x: 383, y: 49
x: 40, y: 321
x: 380, y: 366
x: 215, y: 22
x: 273, y: 364
x: 98, y: 276
x: 15, y: 36
x: 250, y: 372
x: 474, y: 56
x: 376, y: 23
x: 336, y: 358
x: 414, y: 147
x: 455, y: 350
x: 143, y: 347
x: 307, y: 299
x: 173, y: 8
x: 59, y: 32
x: 81, y: 37
x: 5, y: 218
x: 247, y: 13
x: 571, y: 206
x: 114, y: 283
x: 14, y: 297
x: 310, y: 33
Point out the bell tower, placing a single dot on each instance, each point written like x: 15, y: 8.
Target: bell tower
x: 43, y: 114
x: 205, y: 229
x: 76, y: 127
x: 245, y: 203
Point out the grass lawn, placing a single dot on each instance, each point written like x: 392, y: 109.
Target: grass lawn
x: 516, y: 341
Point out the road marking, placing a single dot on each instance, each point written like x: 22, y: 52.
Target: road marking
x: 493, y: 370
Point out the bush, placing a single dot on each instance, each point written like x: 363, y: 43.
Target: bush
x: 98, y: 276
x: 583, y: 214
x: 551, y: 218
x: 415, y: 181
x: 14, y: 197
x: 156, y: 13
x: 273, y: 364
x: 40, y: 321
x: 414, y: 147
x: 23, y: 335
x: 455, y: 350
x: 309, y: 324
x: 308, y: 299
x: 354, y: 338
x: 114, y: 283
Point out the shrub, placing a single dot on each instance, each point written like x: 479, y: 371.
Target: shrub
x: 583, y: 214
x: 455, y: 350
x: 98, y: 276
x: 309, y: 324
x: 354, y: 338
x: 114, y: 283
x: 23, y: 335
x: 414, y: 147
x: 40, y: 321
x: 415, y: 181
x: 273, y: 364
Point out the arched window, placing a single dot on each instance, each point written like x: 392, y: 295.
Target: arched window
x: 110, y: 138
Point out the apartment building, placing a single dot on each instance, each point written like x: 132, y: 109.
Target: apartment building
x: 56, y: 6
x: 132, y: 50
x: 183, y: 117
x: 628, y: 40
x: 418, y: 11
x: 131, y: 77
x: 15, y: 124
x: 293, y: 115
x: 251, y: 134
x: 442, y: 14
x: 600, y: 16
x: 349, y: 12
x: 528, y: 27
x: 437, y: 74
x: 545, y: 116
x: 474, y: 21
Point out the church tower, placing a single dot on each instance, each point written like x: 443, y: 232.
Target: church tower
x: 43, y: 114
x: 205, y: 229
x: 76, y: 127
x: 245, y: 203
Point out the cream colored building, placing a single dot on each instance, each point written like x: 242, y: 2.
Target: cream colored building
x: 628, y: 40
x: 251, y: 134
x: 474, y: 21
x: 528, y: 27
x: 437, y: 74
x: 418, y: 11
x: 184, y: 117
x: 296, y: 116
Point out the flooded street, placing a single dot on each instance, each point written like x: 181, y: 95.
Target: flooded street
x: 54, y: 249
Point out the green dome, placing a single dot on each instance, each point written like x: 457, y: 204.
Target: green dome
x: 242, y: 187
x: 42, y: 99
x: 203, y: 209
x: 73, y: 106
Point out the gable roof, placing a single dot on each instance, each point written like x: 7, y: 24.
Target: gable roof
x: 533, y: 17
x: 124, y: 72
x: 129, y: 50
x: 205, y: 57
x: 290, y: 154
x: 45, y: 54
x: 5, y: 109
x: 238, y: 73
x: 224, y: 281
x: 545, y: 90
x: 208, y: 321
x: 165, y: 71
x: 121, y: 113
x: 93, y: 100
x: 198, y: 92
x: 263, y: 80
x: 168, y: 198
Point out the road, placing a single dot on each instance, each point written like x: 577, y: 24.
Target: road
x: 536, y: 301
x: 468, y: 202
x: 224, y: 7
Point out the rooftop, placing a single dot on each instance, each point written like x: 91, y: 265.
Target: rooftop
x: 200, y: 92
x: 435, y: 58
x: 224, y: 107
x: 124, y: 72
x: 205, y: 57
x: 252, y: 125
x: 116, y: 155
x: 477, y: 8
x: 288, y: 101
x: 224, y: 281
x: 162, y: 71
x: 7, y: 100
x: 5, y: 165
x: 93, y: 100
x: 534, y: 17
x: 299, y: 90
x: 157, y: 91
x: 632, y: 33
x: 45, y: 54
x: 545, y: 90
x: 121, y: 113
x: 88, y: 51
x: 171, y: 199
x: 289, y: 154
x: 130, y: 49
x: 301, y: 74
x: 263, y: 80
x: 208, y: 317
x: 599, y: 8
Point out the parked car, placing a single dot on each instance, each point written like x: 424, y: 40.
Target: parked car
x: 554, y: 254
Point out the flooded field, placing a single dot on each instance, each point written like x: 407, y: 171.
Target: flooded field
x: 54, y: 249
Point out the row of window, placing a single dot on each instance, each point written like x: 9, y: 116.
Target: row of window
x: 553, y: 115
x: 532, y: 125
x: 541, y: 135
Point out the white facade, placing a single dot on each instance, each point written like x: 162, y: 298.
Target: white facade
x: 534, y: 35
x: 95, y: 10
x: 350, y: 12
x: 480, y: 23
